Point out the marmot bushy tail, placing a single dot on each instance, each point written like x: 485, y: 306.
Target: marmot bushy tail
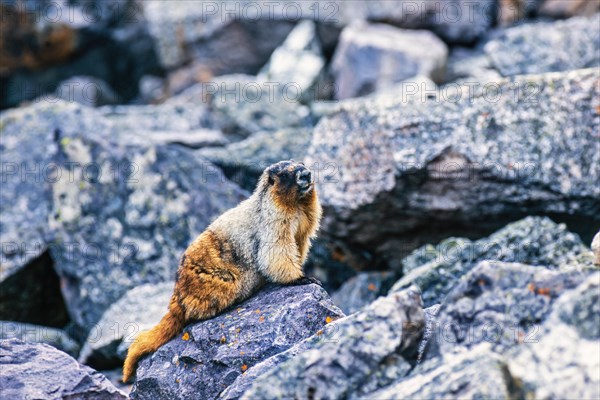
x: 147, y: 342
x: 265, y: 238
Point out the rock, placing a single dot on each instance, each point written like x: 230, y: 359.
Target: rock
x: 372, y: 57
x: 546, y: 47
x: 568, y: 8
x: 212, y: 33
x: 596, y: 248
x: 499, y: 303
x: 456, y: 21
x: 39, y: 334
x: 138, y: 310
x: 394, y: 177
x: 564, y: 359
x: 208, y: 356
x: 362, y: 289
x: 49, y: 43
x: 120, y: 202
x: 86, y: 90
x: 243, y: 162
x: 299, y: 60
x: 478, y: 373
x: 430, y: 328
x: 354, y: 361
x: 33, y: 370
x: 533, y: 240
x: 244, y: 104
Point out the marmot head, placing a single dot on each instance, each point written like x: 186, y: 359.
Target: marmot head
x: 288, y: 181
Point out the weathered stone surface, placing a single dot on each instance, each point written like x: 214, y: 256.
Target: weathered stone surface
x: 299, y: 60
x: 123, y: 209
x: 499, y: 303
x: 564, y: 360
x: 361, y: 346
x: 404, y: 175
x: 373, y: 57
x: 478, y: 373
x: 244, y: 104
x: 546, y: 47
x: 138, y: 310
x: 39, y: 334
x: 362, y: 289
x: 39, y: 371
x: 221, y: 35
x: 243, y: 162
x: 533, y: 240
x: 208, y: 356
x: 596, y: 248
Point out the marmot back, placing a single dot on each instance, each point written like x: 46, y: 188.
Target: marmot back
x: 265, y: 238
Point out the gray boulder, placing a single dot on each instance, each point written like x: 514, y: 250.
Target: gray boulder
x: 299, y: 60
x: 138, y: 310
x: 362, y: 289
x: 469, y: 374
x: 243, y: 162
x: 533, y: 240
x: 226, y: 37
x: 86, y: 90
x: 564, y: 359
x: 244, y: 104
x: 546, y: 47
x: 39, y: 334
x: 396, y: 176
x: 369, y: 58
x: 354, y: 361
x: 39, y: 371
x: 499, y: 303
x: 123, y: 210
x: 208, y: 356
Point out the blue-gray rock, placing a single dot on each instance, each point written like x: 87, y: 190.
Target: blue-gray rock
x: 372, y: 57
x: 499, y: 303
x: 138, y: 310
x: 354, y: 360
x: 208, y: 356
x: 30, y: 333
x: 362, y: 289
x: 122, y: 209
x: 533, y: 240
x: 39, y: 371
x: 470, y: 374
x: 564, y: 359
x: 546, y: 47
x: 396, y: 176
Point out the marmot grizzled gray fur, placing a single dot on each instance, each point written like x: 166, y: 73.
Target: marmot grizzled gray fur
x: 265, y: 238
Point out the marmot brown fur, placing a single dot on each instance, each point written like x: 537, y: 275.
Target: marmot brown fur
x: 265, y: 238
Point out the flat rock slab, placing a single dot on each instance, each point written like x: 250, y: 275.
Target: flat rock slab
x: 39, y: 371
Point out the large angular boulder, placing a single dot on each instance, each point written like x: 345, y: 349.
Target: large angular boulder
x: 533, y: 240
x: 546, y: 47
x: 54, y: 337
x: 373, y: 57
x: 500, y: 304
x: 366, y: 351
x: 474, y: 374
x: 122, y: 209
x: 392, y: 177
x: 564, y: 359
x: 39, y: 371
x: 208, y: 356
x: 138, y: 310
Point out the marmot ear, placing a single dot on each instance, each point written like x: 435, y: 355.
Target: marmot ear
x: 271, y: 176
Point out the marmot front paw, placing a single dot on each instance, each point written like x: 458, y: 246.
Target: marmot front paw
x: 306, y: 280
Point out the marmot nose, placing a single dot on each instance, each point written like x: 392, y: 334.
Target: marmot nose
x: 304, y: 177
